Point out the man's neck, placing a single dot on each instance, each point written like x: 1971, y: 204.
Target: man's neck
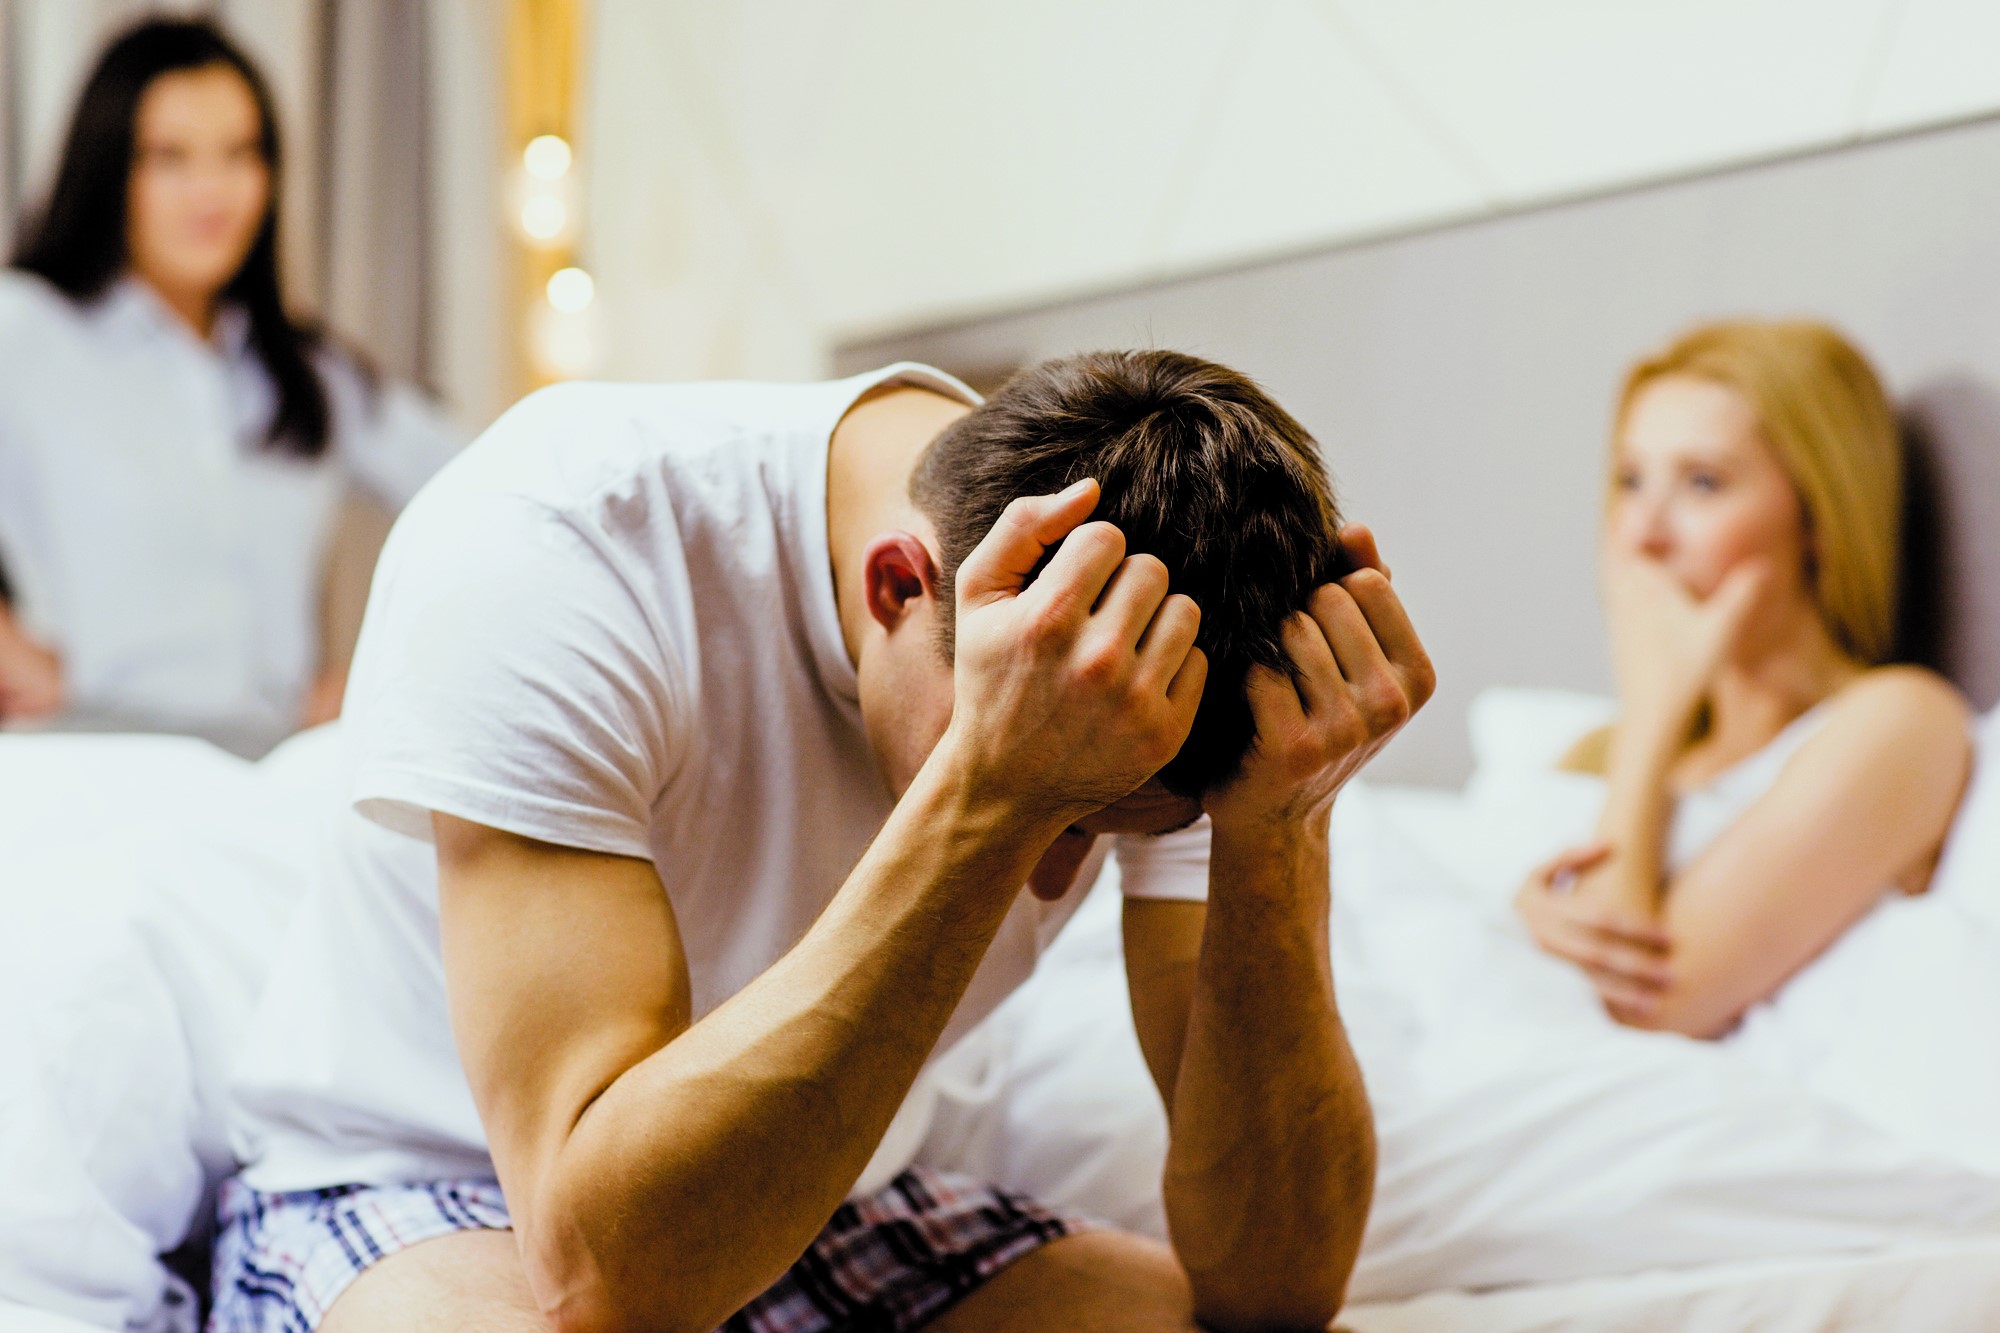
x: 869, y: 460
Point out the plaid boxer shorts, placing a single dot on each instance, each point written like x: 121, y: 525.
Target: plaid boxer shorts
x: 887, y: 1262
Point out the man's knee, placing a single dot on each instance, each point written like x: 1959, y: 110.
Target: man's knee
x: 467, y: 1282
x: 1108, y: 1281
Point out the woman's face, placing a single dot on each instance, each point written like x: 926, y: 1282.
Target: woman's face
x: 1697, y: 488
x: 200, y: 186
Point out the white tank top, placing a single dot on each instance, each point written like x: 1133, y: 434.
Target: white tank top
x: 1703, y: 813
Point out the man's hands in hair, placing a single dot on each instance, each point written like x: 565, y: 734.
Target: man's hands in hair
x: 1071, y: 690
x: 1359, y: 672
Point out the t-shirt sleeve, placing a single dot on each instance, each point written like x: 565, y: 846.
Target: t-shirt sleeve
x: 508, y: 675
x: 1171, y: 865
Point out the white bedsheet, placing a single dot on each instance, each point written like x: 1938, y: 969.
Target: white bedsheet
x: 1597, y: 1177
x: 1938, y: 1287
x: 1526, y: 1140
x: 145, y: 882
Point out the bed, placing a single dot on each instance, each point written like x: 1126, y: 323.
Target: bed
x: 1512, y: 314
x: 1460, y: 380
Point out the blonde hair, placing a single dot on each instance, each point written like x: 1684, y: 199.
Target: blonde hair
x: 1824, y: 414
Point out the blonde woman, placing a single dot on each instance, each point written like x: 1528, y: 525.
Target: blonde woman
x: 1769, y: 779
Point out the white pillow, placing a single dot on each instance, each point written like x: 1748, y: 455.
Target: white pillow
x: 1524, y: 1137
x: 21, y: 1319
x: 147, y: 879
x: 1514, y: 730
x: 1969, y: 870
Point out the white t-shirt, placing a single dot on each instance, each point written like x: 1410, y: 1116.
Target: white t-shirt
x: 150, y: 536
x: 609, y: 624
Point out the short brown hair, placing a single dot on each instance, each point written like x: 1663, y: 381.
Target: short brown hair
x: 1198, y: 467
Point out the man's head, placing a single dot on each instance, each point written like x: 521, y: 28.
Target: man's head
x: 1197, y: 466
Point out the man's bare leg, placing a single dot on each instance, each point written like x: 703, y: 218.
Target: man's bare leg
x: 467, y: 1282
x: 474, y: 1282
x: 1105, y: 1281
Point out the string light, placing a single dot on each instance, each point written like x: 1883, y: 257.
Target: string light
x: 547, y: 157
x: 544, y: 217
x: 564, y: 344
x: 570, y: 290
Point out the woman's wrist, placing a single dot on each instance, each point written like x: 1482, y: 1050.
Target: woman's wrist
x: 1657, y: 722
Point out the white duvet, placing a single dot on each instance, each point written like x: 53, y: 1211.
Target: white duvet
x: 1524, y: 1136
x: 143, y: 882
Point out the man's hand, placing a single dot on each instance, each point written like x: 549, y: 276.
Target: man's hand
x: 1358, y: 673
x: 1075, y: 688
x: 31, y: 677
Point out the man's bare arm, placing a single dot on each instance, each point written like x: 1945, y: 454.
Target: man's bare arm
x: 733, y: 1139
x: 662, y: 1173
x: 1271, y: 1157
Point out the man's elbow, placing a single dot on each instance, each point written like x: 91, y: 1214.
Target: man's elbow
x: 597, y: 1309
x: 574, y: 1293
x: 1307, y: 1304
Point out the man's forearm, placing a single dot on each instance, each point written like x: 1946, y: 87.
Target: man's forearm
x: 706, y: 1169
x: 1271, y: 1162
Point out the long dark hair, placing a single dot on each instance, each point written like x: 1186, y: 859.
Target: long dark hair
x: 77, y: 241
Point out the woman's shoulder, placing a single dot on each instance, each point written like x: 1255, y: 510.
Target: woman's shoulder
x: 1902, y: 709
x: 28, y: 303
x: 1905, y: 690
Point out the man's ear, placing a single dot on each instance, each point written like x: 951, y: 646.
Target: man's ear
x: 897, y: 572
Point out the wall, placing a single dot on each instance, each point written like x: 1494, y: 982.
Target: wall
x: 1461, y: 382
x: 774, y: 178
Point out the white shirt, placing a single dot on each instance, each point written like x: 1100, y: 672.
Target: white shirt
x: 610, y: 624
x: 150, y: 536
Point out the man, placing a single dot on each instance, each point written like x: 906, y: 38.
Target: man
x: 704, y: 738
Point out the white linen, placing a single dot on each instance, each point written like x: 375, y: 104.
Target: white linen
x: 1525, y: 1137
x: 610, y: 624
x: 149, y: 535
x: 145, y: 881
x: 1937, y: 1286
x: 27, y: 1319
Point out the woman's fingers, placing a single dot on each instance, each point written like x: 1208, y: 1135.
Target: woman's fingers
x: 1559, y: 872
x: 1633, y: 964
x: 1624, y: 1001
x: 1637, y: 952
x: 1639, y: 932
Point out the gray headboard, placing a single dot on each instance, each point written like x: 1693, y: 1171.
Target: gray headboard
x: 1460, y: 381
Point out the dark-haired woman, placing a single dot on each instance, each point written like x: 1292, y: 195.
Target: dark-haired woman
x: 173, y: 447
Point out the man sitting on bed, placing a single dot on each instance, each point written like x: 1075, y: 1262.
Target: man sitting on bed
x: 703, y: 740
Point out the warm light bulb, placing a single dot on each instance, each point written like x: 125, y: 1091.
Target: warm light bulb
x: 544, y: 217
x: 570, y: 290
x: 564, y: 346
x: 547, y: 157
